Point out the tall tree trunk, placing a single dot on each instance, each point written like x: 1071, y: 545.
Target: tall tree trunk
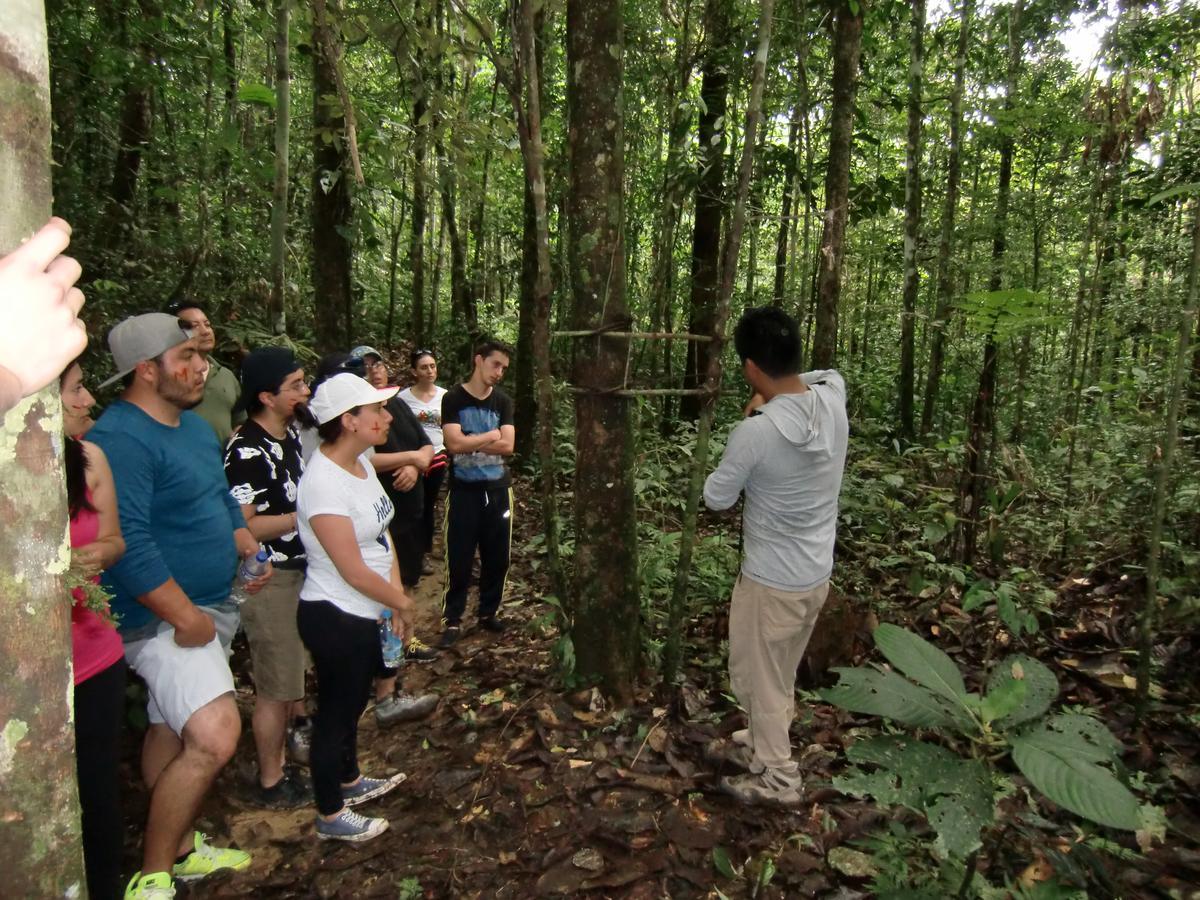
x: 847, y: 41
x: 229, y: 35
x: 605, y: 602
x: 980, y: 425
x: 912, y: 219
x: 133, y: 137
x: 712, y: 381
x: 277, y: 308
x: 331, y: 210
x: 710, y: 194
x: 525, y: 412
x: 1149, y: 616
x: 785, y: 212
x: 39, y: 802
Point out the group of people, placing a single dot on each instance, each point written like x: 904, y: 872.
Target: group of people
x: 335, y: 483
x: 191, y: 472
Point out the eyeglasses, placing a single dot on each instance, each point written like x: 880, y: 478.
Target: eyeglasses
x: 379, y: 364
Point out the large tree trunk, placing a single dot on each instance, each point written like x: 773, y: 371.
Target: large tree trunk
x: 710, y: 195
x: 847, y: 41
x: 331, y: 212
x: 945, y: 276
x: 39, y: 804
x: 912, y: 219
x: 605, y: 605
x: 276, y: 311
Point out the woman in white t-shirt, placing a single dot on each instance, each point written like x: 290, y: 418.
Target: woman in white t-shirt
x: 424, y: 398
x: 352, y: 576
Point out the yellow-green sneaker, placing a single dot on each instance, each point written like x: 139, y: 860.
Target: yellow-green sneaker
x: 155, y: 886
x: 206, y: 859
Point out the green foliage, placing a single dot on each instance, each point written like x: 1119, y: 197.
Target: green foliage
x: 1063, y: 755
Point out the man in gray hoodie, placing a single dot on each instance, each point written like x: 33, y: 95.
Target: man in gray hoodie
x: 787, y: 458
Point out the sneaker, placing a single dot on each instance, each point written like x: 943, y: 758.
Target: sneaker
x: 206, y: 859
x: 493, y: 624
x: 405, y: 708
x: 299, y: 743
x: 729, y: 750
x: 450, y: 636
x: 369, y: 788
x: 289, y: 792
x: 419, y: 651
x: 350, y: 826
x: 766, y: 786
x: 155, y: 886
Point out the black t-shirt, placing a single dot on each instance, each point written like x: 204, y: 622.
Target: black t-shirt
x: 404, y: 434
x: 264, y: 471
x: 475, y: 416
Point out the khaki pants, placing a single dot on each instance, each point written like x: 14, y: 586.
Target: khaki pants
x: 768, y: 631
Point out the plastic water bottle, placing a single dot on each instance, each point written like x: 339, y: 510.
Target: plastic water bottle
x: 252, y: 567
x: 393, y: 647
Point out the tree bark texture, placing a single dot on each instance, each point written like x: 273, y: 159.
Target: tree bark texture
x: 331, y: 208
x: 945, y: 274
x: 912, y: 220
x: 605, y: 602
x: 710, y: 194
x: 847, y: 42
x: 39, y: 805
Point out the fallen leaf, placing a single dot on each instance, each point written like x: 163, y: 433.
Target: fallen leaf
x: 588, y: 858
x: 851, y: 863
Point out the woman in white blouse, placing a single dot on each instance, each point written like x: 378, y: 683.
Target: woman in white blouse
x: 424, y: 398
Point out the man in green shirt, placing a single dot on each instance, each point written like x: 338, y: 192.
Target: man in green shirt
x: 221, y: 388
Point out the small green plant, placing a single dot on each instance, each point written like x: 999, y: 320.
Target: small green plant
x: 1066, y: 756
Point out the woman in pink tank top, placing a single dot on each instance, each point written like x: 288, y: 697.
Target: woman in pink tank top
x: 96, y: 649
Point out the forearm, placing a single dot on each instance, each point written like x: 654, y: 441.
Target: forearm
x: 369, y: 582
x: 267, y: 528
x: 105, y: 551
x: 469, y: 443
x: 390, y: 462
x: 168, y: 602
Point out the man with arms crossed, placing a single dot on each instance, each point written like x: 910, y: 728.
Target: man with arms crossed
x: 787, y: 459
x: 184, y: 536
x: 477, y: 423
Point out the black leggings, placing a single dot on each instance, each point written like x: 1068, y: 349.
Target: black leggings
x: 99, y: 712
x: 433, y: 485
x: 346, y: 654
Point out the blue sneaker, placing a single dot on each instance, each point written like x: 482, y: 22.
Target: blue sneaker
x: 369, y: 788
x: 350, y: 826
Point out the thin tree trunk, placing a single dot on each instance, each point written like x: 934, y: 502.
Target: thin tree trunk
x: 1148, y: 622
x: 710, y: 195
x: 847, y: 41
x: 673, y: 651
x: 229, y: 32
x: 420, y: 212
x: 39, y: 804
x: 277, y: 309
x: 983, y: 410
x: 785, y: 212
x: 331, y: 209
x: 912, y: 219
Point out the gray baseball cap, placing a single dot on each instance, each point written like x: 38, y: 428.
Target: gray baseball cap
x: 143, y: 337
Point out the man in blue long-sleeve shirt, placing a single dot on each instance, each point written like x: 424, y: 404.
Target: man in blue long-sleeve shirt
x: 787, y: 461
x: 184, y: 536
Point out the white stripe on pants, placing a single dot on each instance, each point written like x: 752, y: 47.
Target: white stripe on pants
x: 768, y: 632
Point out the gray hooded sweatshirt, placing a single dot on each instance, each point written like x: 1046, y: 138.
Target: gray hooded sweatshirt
x: 789, y: 463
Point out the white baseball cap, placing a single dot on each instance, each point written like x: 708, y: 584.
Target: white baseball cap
x: 143, y: 337
x: 342, y: 393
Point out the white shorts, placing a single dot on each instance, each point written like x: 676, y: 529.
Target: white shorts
x: 181, y: 680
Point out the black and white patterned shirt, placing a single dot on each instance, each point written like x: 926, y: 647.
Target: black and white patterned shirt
x: 264, y: 472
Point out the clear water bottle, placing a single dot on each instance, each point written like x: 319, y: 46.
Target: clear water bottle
x: 393, y: 647
x: 252, y: 567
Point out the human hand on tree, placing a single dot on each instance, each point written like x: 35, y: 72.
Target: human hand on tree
x: 39, y: 305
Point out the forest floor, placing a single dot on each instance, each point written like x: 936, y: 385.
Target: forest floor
x: 518, y: 788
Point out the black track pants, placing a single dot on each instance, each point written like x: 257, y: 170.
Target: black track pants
x: 476, y: 518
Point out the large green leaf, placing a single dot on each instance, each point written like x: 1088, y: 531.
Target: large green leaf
x: 1090, y: 736
x: 1062, y: 767
x: 1041, y: 687
x: 963, y: 806
x: 882, y: 693
x: 921, y: 661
